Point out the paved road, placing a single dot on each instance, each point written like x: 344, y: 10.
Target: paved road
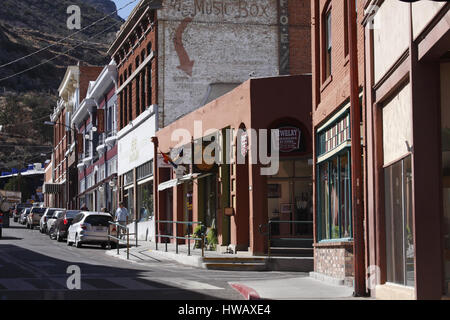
x: 34, y: 267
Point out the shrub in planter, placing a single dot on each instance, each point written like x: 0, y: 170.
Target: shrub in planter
x: 211, y: 238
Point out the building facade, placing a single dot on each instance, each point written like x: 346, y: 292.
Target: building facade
x: 331, y: 119
x: 239, y: 198
x: 72, y: 91
x: 96, y: 122
x: 180, y: 55
x: 408, y: 81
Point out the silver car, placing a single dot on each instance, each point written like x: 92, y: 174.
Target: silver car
x: 90, y: 228
x: 43, y: 222
x: 52, y: 219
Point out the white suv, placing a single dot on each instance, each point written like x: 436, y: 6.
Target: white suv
x: 90, y: 228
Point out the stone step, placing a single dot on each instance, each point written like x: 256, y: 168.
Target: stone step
x: 236, y: 266
x: 234, y: 259
x: 291, y: 252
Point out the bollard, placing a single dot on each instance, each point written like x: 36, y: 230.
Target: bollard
x: 136, y: 232
x: 118, y: 242
x: 176, y: 240
x: 203, y: 245
x: 166, y: 244
x: 128, y: 244
x: 189, y: 244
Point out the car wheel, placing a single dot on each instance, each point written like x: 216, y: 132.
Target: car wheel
x: 77, y: 242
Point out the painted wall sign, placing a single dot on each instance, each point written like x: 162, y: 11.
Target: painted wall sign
x: 284, y: 37
x: 230, y: 8
x: 289, y: 139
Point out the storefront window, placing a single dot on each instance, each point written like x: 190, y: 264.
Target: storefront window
x: 145, y: 201
x: 334, y: 195
x: 399, y: 223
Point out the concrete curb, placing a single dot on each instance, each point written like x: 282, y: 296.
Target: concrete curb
x: 247, y: 292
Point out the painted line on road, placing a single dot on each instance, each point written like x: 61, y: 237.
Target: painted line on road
x: 187, y: 284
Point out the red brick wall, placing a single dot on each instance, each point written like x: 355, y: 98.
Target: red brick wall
x: 334, y: 262
x: 300, y: 36
x: 130, y: 60
x: 87, y: 74
x: 327, y: 96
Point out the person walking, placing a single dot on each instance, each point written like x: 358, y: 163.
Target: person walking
x: 121, y: 215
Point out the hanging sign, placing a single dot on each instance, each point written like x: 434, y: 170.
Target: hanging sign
x: 101, y: 120
x: 289, y: 139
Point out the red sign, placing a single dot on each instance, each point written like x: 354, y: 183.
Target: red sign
x: 101, y: 120
x: 80, y: 143
x: 289, y: 139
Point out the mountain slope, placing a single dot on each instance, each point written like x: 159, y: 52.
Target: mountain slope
x: 26, y: 100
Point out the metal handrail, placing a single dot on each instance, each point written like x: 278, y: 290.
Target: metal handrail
x: 189, y: 223
x: 119, y: 226
x: 269, y: 234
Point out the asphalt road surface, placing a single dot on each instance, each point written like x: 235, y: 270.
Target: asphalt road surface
x: 34, y: 267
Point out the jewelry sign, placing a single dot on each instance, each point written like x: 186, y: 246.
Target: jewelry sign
x: 289, y: 139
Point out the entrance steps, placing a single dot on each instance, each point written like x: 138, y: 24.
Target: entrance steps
x: 235, y: 263
x: 289, y: 247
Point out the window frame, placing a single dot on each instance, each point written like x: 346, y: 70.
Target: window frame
x: 346, y: 151
x: 326, y: 35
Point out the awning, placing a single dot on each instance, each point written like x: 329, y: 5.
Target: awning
x: 174, y: 182
x: 51, y: 188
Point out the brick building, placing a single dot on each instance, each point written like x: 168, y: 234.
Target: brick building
x: 333, y: 218
x: 180, y: 55
x: 72, y: 91
x: 408, y: 80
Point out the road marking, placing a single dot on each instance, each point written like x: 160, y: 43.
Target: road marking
x: 186, y: 284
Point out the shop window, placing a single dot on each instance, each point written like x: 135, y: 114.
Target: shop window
x: 399, y: 223
x: 334, y: 198
x: 145, y: 201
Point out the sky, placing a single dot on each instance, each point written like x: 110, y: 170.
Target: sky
x: 124, y: 13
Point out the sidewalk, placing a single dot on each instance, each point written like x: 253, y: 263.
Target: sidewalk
x: 300, y: 287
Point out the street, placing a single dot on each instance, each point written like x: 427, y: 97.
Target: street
x: 34, y: 267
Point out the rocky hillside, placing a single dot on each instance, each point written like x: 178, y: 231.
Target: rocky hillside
x: 27, y: 26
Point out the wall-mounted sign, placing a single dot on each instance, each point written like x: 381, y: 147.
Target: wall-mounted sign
x: 289, y: 139
x: 101, y: 120
x: 80, y: 143
x: 244, y: 143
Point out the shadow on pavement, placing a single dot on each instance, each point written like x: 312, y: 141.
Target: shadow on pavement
x: 48, y: 276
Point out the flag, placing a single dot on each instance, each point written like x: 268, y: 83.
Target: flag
x: 167, y: 159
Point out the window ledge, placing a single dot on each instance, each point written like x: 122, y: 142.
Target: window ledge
x: 337, y: 243
x: 326, y: 83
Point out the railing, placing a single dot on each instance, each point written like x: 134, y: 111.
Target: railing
x: 118, y: 233
x: 188, y: 238
x: 269, y: 232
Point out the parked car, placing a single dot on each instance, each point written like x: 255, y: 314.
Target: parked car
x: 24, y: 215
x: 51, y: 220
x: 62, y: 224
x: 18, y: 210
x: 45, y: 217
x: 34, y: 217
x: 90, y: 228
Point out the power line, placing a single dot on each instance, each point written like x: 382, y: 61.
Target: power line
x: 59, y: 54
x: 67, y: 37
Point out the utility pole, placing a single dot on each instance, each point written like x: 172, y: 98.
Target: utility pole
x: 357, y: 177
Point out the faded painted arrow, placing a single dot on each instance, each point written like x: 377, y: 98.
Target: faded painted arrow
x: 185, y: 63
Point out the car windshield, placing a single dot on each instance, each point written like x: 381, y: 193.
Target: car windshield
x: 71, y: 214
x: 97, y: 220
x: 27, y: 211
